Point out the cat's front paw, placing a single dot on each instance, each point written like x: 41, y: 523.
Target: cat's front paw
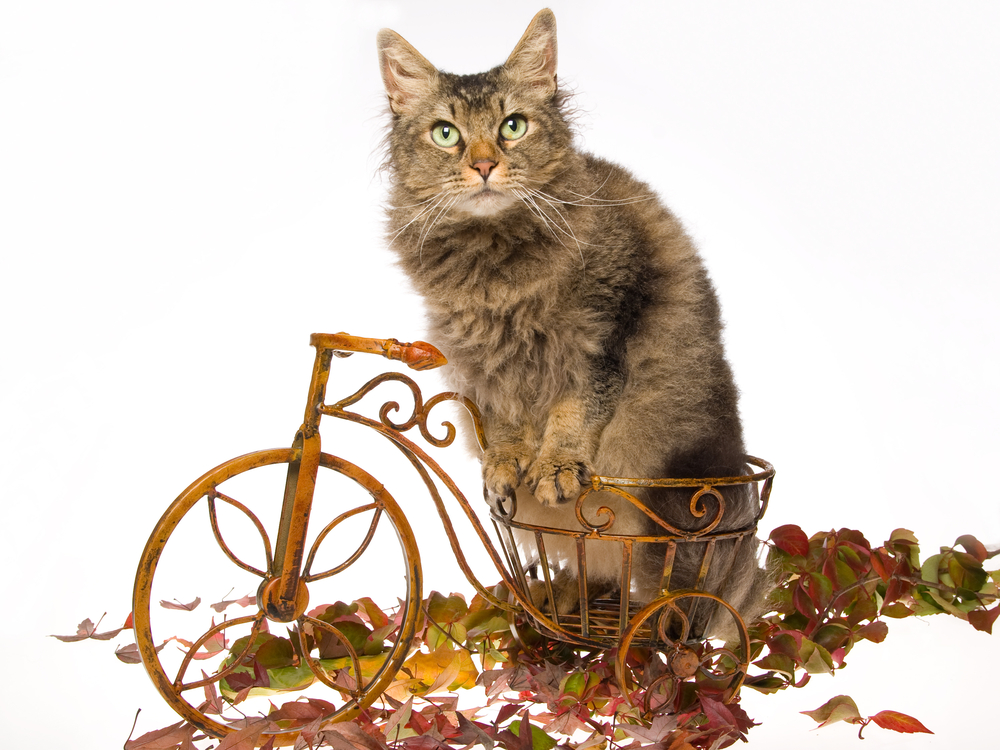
x: 556, y: 482
x: 502, y: 473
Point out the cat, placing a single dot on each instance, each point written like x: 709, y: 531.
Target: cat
x: 573, y: 309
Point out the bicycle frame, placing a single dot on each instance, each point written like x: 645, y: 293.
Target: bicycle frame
x: 282, y: 595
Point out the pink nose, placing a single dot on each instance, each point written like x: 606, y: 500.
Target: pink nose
x: 485, y: 166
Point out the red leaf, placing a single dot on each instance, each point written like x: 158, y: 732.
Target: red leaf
x: 128, y: 654
x: 791, y: 539
x: 973, y: 546
x: 802, y: 601
x: 88, y: 629
x: 898, y: 722
x: 244, y: 739
x: 894, y: 590
x: 883, y: 563
x: 177, y: 605
x: 505, y: 712
x: 167, y: 738
x: 349, y: 736
x: 874, y: 631
x: 246, y: 601
x: 983, y: 619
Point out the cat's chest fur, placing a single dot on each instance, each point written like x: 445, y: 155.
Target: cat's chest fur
x: 498, y: 305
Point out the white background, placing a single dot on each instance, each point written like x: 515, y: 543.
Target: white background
x: 188, y: 189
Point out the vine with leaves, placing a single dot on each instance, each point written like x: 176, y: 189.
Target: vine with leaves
x: 835, y: 589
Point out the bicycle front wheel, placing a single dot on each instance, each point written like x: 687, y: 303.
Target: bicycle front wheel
x: 352, y: 647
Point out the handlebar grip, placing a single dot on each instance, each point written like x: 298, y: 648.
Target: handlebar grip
x: 417, y: 356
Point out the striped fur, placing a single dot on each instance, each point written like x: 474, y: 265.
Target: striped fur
x: 572, y: 306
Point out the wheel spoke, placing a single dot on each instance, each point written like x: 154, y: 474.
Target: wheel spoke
x: 213, y: 495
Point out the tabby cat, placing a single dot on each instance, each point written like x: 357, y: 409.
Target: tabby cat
x: 570, y: 303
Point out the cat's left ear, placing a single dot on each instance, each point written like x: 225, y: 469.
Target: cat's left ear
x: 407, y: 75
x: 534, y: 58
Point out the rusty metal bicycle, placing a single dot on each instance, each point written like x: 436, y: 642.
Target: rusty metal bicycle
x: 322, y: 649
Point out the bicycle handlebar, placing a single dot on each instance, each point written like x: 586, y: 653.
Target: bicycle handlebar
x: 417, y: 356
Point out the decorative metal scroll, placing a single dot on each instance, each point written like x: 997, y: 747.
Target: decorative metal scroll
x: 526, y: 559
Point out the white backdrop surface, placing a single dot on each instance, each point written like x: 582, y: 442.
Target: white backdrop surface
x: 188, y: 189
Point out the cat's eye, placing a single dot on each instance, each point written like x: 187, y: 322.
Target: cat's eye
x: 514, y: 127
x: 445, y: 135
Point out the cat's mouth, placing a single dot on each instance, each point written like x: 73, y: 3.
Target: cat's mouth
x: 487, y: 201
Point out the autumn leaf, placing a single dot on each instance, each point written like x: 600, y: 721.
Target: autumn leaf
x: 303, y: 710
x: 983, y: 619
x: 245, y: 738
x: 87, y: 629
x: 348, y: 736
x: 128, y: 654
x: 536, y: 738
x: 791, y: 539
x: 973, y: 546
x: 183, y: 607
x: 840, y: 708
x: 246, y: 601
x: 167, y: 738
x: 446, y: 668
x: 372, y: 612
x: 898, y: 722
x: 873, y: 631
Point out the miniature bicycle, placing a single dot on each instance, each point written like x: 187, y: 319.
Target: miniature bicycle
x: 325, y: 648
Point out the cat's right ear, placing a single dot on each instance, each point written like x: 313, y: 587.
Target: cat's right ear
x: 406, y: 74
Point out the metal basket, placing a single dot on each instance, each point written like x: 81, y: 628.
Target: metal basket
x: 602, y: 618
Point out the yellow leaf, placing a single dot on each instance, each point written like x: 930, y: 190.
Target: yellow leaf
x: 444, y: 668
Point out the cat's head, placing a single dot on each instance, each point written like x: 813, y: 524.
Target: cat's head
x: 479, y: 143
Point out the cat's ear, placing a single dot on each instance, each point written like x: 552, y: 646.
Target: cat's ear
x: 407, y: 75
x: 534, y: 58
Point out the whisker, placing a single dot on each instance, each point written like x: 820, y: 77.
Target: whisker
x: 529, y: 202
x: 425, y: 212
x: 528, y: 198
x: 414, y: 205
x: 452, y: 199
x: 602, y: 201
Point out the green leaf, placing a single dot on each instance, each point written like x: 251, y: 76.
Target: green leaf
x: 929, y: 570
x: 539, y: 739
x: 778, y: 663
x: 897, y: 610
x: 840, y: 573
x: 862, y: 609
x: 966, y: 577
x: 903, y: 542
x: 840, y: 708
x: 766, y: 684
x: 815, y: 659
x: 445, y: 610
x: 276, y: 652
x: 832, y: 636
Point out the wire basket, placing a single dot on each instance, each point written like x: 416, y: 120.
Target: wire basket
x: 676, y: 585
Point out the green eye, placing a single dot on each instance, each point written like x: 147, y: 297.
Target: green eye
x: 513, y: 127
x: 445, y: 134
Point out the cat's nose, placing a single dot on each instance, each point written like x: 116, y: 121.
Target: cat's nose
x: 485, y: 166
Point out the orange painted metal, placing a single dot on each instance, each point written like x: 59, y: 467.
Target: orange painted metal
x: 283, y: 591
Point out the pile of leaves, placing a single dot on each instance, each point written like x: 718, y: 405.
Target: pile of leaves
x: 531, y: 693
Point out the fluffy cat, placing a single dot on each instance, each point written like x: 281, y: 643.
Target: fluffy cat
x: 571, y: 305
